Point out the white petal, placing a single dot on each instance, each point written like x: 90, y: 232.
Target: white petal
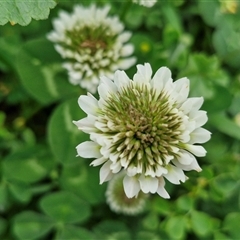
x: 105, y: 172
x: 160, y: 78
x: 131, y: 171
x: 144, y: 73
x: 182, y: 88
x: 200, y: 117
x: 121, y: 79
x: 116, y: 167
x: 108, y: 85
x: 88, y: 104
x: 192, y: 166
x: 161, y: 190
x: 185, y: 157
x: 160, y: 171
x: 126, y: 63
x: 88, y: 149
x: 101, y: 126
x: 127, y: 50
x: 199, y: 151
x: 192, y: 105
x: 124, y: 37
x: 86, y: 124
x: 131, y: 186
x: 174, y: 175
x: 148, y: 184
x: 98, y: 161
x: 200, y: 135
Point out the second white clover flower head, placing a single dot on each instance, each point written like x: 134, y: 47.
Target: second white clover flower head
x: 145, y: 3
x: 145, y: 126
x: 93, y: 44
x: 119, y: 202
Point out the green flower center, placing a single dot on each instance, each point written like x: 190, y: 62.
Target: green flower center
x: 92, y: 38
x: 144, y: 127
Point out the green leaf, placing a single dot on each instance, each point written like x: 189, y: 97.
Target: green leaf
x: 31, y: 225
x: 3, y: 225
x: 109, y: 227
x: 84, y: 181
x: 205, y: 74
x: 20, y: 191
x: 221, y: 122
x: 72, y: 232
x: 151, y: 221
x: 65, y: 207
x: 172, y: 16
x: 175, y: 227
x: 28, y: 165
x: 209, y: 11
x: 41, y: 73
x: 9, y: 46
x: 231, y: 224
x: 201, y: 223
x: 63, y: 135
x: 219, y: 235
x: 224, y: 184
x: 226, y: 40
x: 3, y: 197
x: 185, y: 203
x: 218, y: 103
x: 23, y: 11
x: 134, y: 17
x: 147, y: 235
x: 161, y: 206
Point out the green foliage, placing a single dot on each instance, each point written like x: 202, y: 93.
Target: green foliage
x: 201, y: 223
x: 62, y: 132
x: 22, y: 12
x: 62, y: 206
x: 46, y: 192
x: 31, y: 225
x: 40, y: 73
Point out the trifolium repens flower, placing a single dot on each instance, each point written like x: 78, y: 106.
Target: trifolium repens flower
x: 145, y: 3
x: 145, y: 126
x: 119, y: 202
x: 92, y: 43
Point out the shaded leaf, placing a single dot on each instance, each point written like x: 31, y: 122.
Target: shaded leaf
x: 109, y: 228
x: 72, y: 232
x: 3, y: 225
x: 31, y: 225
x: 147, y: 235
x: 20, y: 191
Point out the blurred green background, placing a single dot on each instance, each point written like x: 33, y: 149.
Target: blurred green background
x: 46, y: 192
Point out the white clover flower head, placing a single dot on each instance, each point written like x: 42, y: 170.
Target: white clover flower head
x: 145, y: 3
x: 93, y: 44
x: 119, y: 202
x: 146, y: 126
